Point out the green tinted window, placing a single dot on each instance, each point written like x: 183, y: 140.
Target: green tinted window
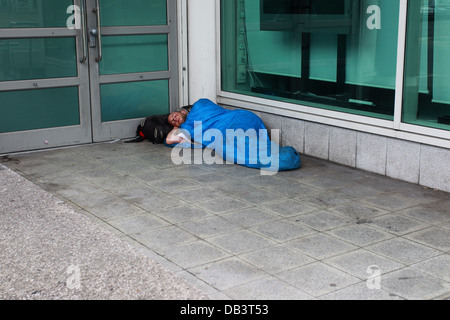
x: 133, y: 12
x: 338, y: 55
x: 427, y: 74
x: 37, y: 58
x: 134, y: 100
x: 38, y: 109
x: 128, y: 54
x: 30, y: 13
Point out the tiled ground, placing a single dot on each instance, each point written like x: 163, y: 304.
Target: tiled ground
x: 324, y: 231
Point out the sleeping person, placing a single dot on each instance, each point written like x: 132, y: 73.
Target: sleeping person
x: 238, y: 136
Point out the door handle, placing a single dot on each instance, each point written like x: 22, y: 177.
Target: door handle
x: 98, y: 31
x: 83, y: 31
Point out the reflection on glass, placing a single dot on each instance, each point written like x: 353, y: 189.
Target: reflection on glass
x: 132, y: 100
x: 427, y: 76
x: 37, y: 58
x: 133, y: 12
x: 34, y: 13
x: 38, y: 109
x: 338, y: 55
x: 128, y: 54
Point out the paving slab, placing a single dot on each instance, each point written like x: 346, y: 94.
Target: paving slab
x: 49, y: 251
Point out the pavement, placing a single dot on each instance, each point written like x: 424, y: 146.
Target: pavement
x: 122, y: 221
x: 50, y: 252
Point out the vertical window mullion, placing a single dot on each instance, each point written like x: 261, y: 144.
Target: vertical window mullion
x: 400, y: 73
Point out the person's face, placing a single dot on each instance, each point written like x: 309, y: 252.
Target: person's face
x: 176, y: 119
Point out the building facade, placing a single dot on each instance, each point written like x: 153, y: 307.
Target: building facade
x: 363, y: 83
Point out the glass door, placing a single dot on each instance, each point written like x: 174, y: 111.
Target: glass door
x: 44, y: 91
x: 133, y: 63
x: 82, y: 71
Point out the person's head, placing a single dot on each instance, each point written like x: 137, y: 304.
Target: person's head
x: 177, y: 118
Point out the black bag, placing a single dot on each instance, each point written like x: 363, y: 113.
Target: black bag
x: 154, y: 128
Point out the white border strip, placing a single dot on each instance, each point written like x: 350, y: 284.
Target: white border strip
x: 218, y: 50
x: 308, y: 113
x: 401, y: 52
x: 183, y: 53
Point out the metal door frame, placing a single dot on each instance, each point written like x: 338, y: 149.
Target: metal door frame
x: 88, y: 91
x: 57, y: 136
x: 105, y: 131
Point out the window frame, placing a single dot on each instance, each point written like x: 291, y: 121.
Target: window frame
x: 391, y: 128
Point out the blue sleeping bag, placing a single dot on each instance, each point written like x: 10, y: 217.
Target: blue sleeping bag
x: 238, y: 136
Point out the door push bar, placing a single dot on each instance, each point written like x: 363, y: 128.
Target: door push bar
x: 97, y: 32
x: 83, y: 31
